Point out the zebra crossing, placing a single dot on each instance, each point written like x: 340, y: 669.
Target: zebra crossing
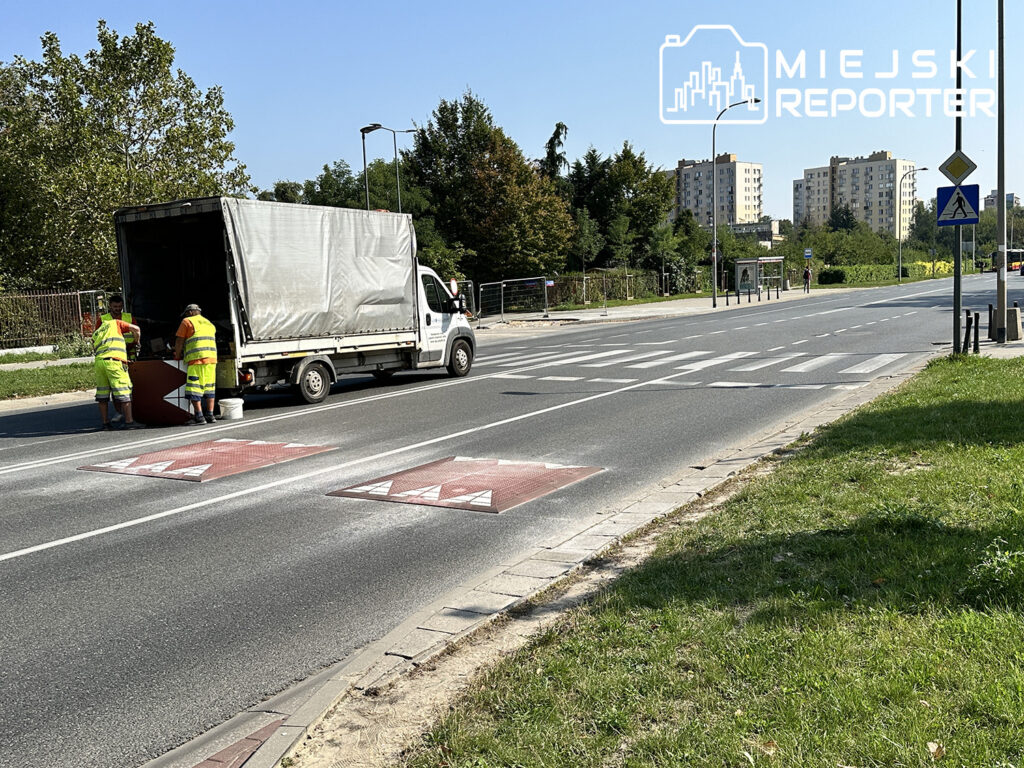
x: 631, y: 362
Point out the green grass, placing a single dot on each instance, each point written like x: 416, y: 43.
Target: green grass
x: 858, y: 604
x: 33, y: 382
x: 25, y: 357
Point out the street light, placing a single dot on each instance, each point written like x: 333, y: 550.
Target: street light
x: 366, y: 179
x: 714, y: 201
x: 899, y: 222
x: 394, y: 137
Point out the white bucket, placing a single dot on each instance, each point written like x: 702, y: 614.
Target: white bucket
x: 231, y: 408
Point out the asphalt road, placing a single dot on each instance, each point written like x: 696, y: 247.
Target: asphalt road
x: 139, y: 612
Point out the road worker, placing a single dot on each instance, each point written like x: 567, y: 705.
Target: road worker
x: 195, y: 342
x: 116, y: 312
x: 111, y: 366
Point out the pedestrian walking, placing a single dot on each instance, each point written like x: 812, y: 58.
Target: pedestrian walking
x: 111, y: 367
x: 807, y: 279
x: 195, y: 343
x: 115, y: 311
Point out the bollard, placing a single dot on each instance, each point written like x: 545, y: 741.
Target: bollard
x: 967, y: 334
x: 727, y: 298
x: 748, y: 295
x: 977, y: 318
x: 991, y: 325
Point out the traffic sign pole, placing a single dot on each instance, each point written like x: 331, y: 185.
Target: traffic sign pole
x: 1001, y: 189
x: 958, y: 253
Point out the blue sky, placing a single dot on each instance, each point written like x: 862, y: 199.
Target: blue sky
x: 301, y: 77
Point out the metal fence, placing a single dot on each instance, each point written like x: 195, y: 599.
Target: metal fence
x: 38, y: 318
x: 528, y: 294
x: 540, y: 294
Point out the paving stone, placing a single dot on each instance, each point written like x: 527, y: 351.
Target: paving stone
x: 507, y: 584
x: 539, y: 569
x: 451, y: 620
x: 586, y: 541
x: 572, y: 556
x: 384, y: 666
x: 417, y: 641
x: 481, y: 602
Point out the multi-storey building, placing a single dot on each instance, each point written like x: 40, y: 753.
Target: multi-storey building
x: 867, y: 185
x: 739, y: 190
x: 1012, y: 201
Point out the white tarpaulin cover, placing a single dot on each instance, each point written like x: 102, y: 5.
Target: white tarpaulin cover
x: 307, y: 270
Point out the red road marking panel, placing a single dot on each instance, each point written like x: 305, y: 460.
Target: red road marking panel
x: 210, y: 460
x: 486, y: 485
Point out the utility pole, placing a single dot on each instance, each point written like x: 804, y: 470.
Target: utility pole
x: 1000, y: 190
x: 958, y: 252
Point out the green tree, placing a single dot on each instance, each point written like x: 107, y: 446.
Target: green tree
x: 587, y: 242
x: 554, y: 158
x: 484, y: 195
x: 80, y: 137
x: 841, y: 218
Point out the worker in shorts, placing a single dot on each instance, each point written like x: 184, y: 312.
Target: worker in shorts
x: 111, y: 367
x: 195, y: 343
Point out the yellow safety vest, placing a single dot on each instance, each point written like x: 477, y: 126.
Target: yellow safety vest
x: 125, y: 317
x: 107, y: 341
x: 202, y: 342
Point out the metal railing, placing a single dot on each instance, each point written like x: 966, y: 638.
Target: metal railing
x: 37, y: 318
x: 527, y: 294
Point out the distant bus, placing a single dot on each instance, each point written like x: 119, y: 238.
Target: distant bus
x: 1014, y: 259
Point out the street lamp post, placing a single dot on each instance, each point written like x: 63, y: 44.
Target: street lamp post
x: 394, y: 140
x: 714, y: 201
x: 366, y: 179
x: 899, y: 221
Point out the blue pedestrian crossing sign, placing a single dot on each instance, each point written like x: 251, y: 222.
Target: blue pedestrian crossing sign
x: 957, y: 205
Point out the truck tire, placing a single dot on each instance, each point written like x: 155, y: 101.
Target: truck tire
x: 461, y: 358
x: 314, y: 384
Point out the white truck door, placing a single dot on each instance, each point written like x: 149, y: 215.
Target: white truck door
x: 436, y: 319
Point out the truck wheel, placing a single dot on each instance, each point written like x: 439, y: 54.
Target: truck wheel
x: 315, y: 383
x: 461, y: 359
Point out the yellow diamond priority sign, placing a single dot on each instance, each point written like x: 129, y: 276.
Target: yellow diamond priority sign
x: 957, y: 167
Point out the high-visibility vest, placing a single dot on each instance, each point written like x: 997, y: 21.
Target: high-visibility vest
x: 129, y: 338
x: 202, y: 342
x: 107, y: 341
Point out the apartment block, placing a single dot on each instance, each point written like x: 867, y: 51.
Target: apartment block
x: 1012, y: 201
x: 868, y: 185
x: 739, y: 190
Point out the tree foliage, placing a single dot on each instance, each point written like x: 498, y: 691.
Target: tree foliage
x: 83, y: 136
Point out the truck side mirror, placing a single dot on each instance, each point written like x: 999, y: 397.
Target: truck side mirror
x: 462, y: 303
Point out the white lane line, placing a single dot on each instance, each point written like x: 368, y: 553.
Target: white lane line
x: 814, y: 362
x: 582, y: 358
x: 700, y: 365
x: 799, y: 386
x: 884, y: 320
x: 631, y: 358
x: 841, y: 330
x: 615, y: 344
x: 490, y: 359
x: 802, y: 341
x: 694, y: 336
x: 741, y: 327
x: 756, y: 324
x: 872, y: 322
x: 713, y: 333
x: 650, y: 343
x: 512, y: 376
x: 758, y: 364
x: 855, y: 327
x: 613, y: 381
x: 674, y: 382
x: 536, y: 358
x: 670, y: 359
x: 873, y: 364
x: 560, y: 378
x: 448, y: 437
x: 737, y: 385
x: 776, y: 349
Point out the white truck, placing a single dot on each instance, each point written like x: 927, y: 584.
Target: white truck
x: 299, y: 294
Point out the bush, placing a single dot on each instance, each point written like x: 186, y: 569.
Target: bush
x: 73, y: 345
x: 831, y: 275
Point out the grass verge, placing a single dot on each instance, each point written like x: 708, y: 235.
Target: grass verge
x: 860, y: 606
x: 25, y: 357
x: 33, y: 382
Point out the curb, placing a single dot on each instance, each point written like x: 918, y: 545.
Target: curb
x: 477, y: 603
